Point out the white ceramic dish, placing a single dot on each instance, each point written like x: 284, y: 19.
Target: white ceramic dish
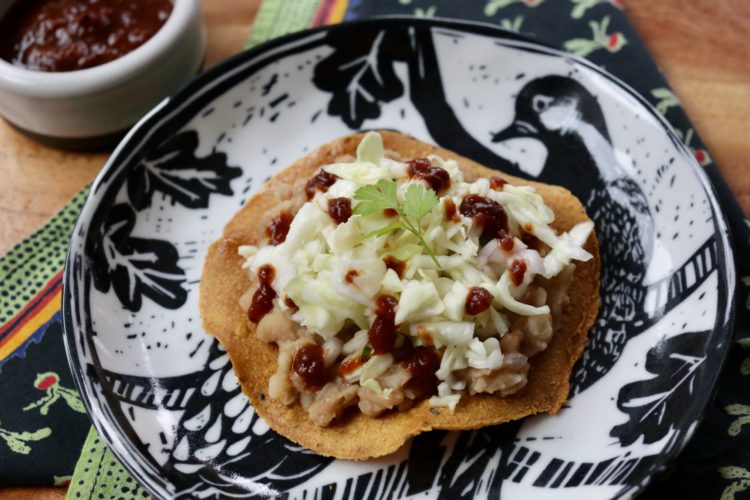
x: 163, y: 394
x: 75, y: 106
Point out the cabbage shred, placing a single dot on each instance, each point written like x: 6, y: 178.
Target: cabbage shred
x: 444, y: 257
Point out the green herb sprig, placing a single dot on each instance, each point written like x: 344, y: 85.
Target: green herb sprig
x: 418, y: 201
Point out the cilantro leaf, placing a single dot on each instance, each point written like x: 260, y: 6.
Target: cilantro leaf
x: 418, y: 201
x: 393, y: 226
x: 375, y: 198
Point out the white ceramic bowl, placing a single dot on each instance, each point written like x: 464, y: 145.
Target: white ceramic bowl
x: 77, y: 107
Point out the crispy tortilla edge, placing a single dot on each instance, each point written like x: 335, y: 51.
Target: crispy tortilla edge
x: 356, y: 436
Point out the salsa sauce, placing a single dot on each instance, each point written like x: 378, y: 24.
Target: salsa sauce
x: 350, y: 275
x: 68, y: 35
x: 309, y: 364
x: 350, y: 365
x: 340, y: 209
x: 486, y: 213
x: 450, y: 210
x: 290, y: 303
x: 436, y: 177
x: 517, y: 271
x: 531, y: 241
x: 278, y: 227
x: 263, y: 297
x: 477, y: 300
x: 497, y: 183
x: 422, y: 363
x: 507, y: 243
x: 321, y: 182
x: 398, y: 266
x: 382, y: 333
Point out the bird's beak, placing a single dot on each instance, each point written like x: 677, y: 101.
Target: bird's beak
x: 515, y: 130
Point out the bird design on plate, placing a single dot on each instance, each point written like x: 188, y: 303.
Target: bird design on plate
x: 567, y: 119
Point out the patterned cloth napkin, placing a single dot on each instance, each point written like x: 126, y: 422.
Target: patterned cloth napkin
x: 43, y: 427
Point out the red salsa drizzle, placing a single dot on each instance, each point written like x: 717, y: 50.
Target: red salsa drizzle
x: 422, y: 363
x: 263, y: 297
x: 478, y: 299
x: 486, y: 213
x: 350, y: 275
x: 425, y: 336
x: 340, y: 209
x: 450, y: 210
x: 68, y: 35
x: 497, y: 183
x: 290, y: 303
x: 390, y: 212
x: 436, y: 177
x: 517, y: 271
x: 530, y: 241
x: 321, y: 182
x: 278, y: 227
x: 392, y: 262
x: 506, y: 242
x: 382, y: 333
x: 309, y: 365
x: 349, y: 365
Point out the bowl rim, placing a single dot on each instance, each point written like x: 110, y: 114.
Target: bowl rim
x: 64, y: 84
x: 119, y: 442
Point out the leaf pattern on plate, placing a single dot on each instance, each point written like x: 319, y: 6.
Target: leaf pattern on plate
x: 136, y: 267
x: 364, y: 81
x: 676, y: 363
x: 174, y: 169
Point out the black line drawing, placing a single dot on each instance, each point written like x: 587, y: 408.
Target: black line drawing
x: 135, y: 267
x: 175, y: 170
x: 460, y: 465
x: 676, y: 363
x: 143, y: 267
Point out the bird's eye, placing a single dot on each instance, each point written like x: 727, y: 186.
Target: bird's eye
x: 540, y: 103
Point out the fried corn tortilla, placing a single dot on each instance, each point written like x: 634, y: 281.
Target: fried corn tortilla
x: 354, y: 435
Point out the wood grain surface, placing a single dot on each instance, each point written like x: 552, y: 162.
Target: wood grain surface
x: 703, y: 47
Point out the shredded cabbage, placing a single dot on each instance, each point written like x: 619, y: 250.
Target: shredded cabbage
x: 334, y: 273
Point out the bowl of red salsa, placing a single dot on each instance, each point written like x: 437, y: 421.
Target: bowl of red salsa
x: 79, y: 73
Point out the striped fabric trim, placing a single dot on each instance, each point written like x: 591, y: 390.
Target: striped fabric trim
x: 31, y: 318
x: 330, y: 12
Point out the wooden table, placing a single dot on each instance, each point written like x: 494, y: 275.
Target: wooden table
x: 703, y: 47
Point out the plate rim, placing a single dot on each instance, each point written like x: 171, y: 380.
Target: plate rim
x: 202, y: 81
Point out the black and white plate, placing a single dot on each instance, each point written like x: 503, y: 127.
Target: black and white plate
x: 163, y: 394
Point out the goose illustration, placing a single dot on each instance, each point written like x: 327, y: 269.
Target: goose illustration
x: 568, y: 121
x: 566, y: 118
x: 222, y: 448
